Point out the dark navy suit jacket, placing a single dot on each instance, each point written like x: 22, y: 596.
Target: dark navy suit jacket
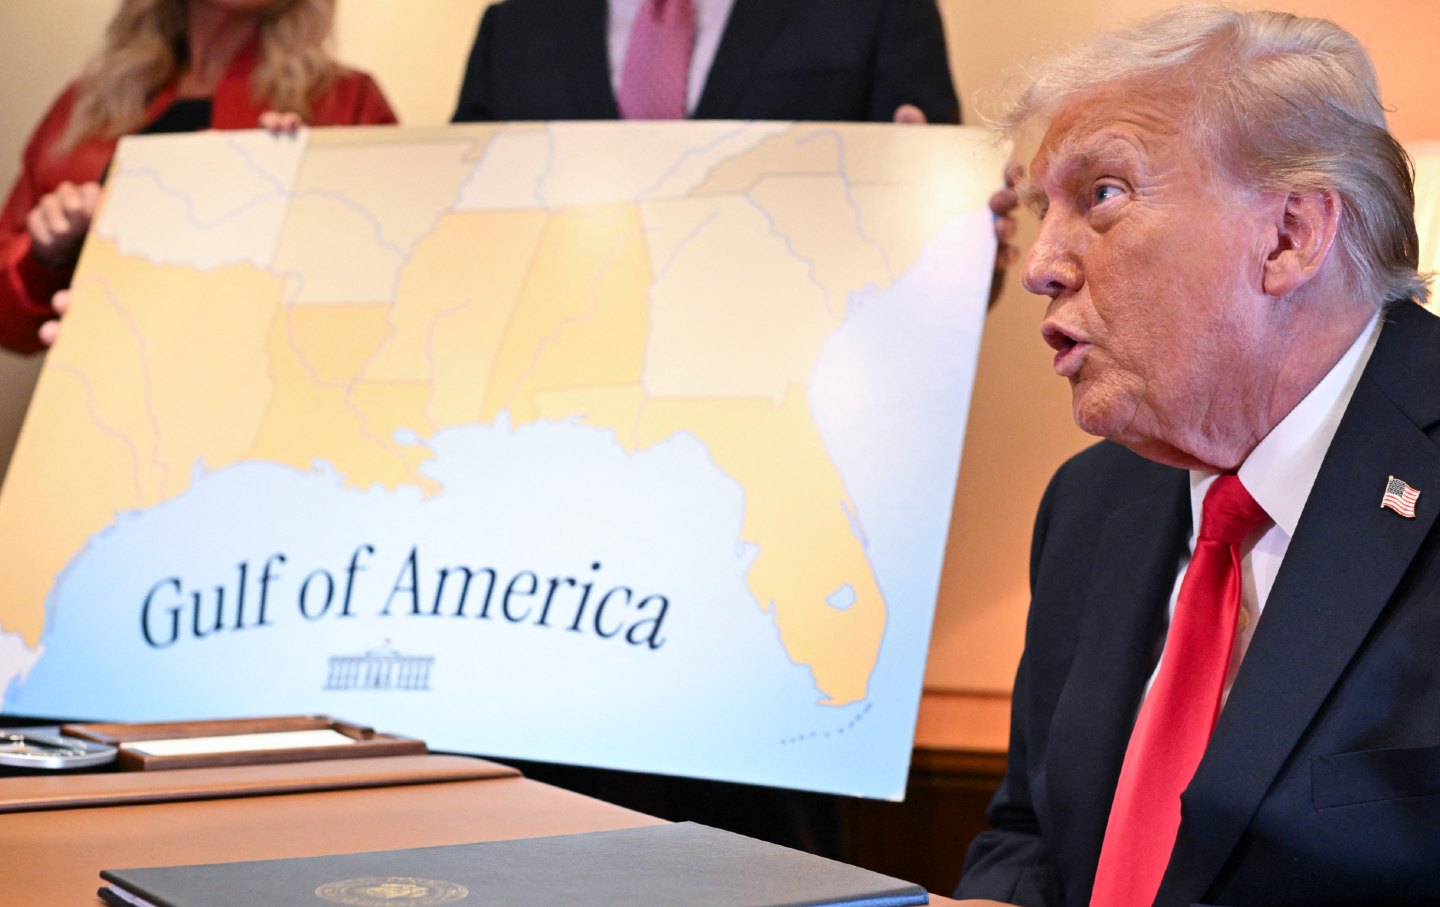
x: 840, y: 60
x: 1321, y: 784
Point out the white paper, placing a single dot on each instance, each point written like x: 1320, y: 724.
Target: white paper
x: 239, y: 743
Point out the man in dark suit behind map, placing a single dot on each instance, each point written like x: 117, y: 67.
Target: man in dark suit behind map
x: 1229, y: 692
x: 842, y: 60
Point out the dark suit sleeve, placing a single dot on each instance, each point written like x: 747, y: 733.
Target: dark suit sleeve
x: 1009, y: 862
x: 475, y: 105
x: 910, y: 64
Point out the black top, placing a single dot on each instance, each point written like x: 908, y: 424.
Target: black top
x: 183, y: 115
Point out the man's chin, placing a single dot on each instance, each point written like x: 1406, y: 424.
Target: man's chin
x: 1122, y: 425
x: 1165, y: 453
x: 1101, y: 418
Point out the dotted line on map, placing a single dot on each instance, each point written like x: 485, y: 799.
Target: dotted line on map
x: 834, y: 732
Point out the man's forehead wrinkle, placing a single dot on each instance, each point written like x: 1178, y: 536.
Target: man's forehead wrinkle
x: 1085, y: 151
x: 1115, y: 121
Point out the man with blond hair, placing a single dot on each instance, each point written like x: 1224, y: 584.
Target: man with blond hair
x: 1230, y: 691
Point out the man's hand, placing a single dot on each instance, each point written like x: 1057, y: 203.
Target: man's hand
x: 51, y: 329
x: 909, y: 113
x: 59, y: 221
x: 1003, y: 204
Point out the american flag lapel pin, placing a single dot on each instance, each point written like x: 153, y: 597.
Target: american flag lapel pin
x: 1400, y: 497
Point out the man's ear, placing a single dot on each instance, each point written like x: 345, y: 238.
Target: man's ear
x: 1303, y: 240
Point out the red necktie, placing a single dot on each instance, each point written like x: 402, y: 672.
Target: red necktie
x: 657, y: 61
x: 1177, y: 717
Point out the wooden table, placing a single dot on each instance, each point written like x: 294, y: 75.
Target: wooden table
x: 58, y: 832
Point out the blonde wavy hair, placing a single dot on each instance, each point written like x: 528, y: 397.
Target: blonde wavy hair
x: 145, y: 48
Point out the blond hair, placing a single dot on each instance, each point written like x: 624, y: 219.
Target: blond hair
x: 145, y: 48
x: 1281, y: 103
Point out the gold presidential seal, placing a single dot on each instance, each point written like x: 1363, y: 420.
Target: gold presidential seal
x: 392, y: 891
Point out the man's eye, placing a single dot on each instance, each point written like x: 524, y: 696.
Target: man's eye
x: 1103, y: 192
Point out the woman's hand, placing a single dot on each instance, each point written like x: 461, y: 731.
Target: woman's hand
x: 277, y: 123
x: 51, y: 329
x: 59, y: 221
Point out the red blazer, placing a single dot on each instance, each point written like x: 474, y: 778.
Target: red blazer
x: 27, y: 284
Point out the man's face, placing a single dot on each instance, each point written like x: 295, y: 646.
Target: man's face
x: 1153, y: 266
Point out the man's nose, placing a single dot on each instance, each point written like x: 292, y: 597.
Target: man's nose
x: 1053, y: 265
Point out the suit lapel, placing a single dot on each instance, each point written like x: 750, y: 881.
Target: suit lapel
x: 1135, y: 567
x: 587, y: 57
x: 1310, y: 632
x: 751, y: 29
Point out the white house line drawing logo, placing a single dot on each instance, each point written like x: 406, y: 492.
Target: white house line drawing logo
x: 380, y: 669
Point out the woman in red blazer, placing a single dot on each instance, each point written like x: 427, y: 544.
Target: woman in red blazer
x: 167, y: 66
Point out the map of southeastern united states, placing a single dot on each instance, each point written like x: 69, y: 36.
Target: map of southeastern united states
x: 581, y: 329
x: 629, y: 317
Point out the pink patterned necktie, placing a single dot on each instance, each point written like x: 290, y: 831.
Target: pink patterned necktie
x: 1179, y: 713
x: 657, y: 62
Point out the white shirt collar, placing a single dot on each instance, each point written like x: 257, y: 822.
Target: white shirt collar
x: 1281, y: 470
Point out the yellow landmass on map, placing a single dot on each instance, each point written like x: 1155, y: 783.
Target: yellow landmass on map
x: 800, y: 519
x: 169, y: 341
x: 822, y: 224
x: 577, y: 347
x: 615, y: 409
x: 333, y: 343
x: 451, y: 306
x: 581, y: 317
x: 349, y: 230
x: 345, y: 423
x: 856, y: 191
x: 798, y: 151
x: 715, y: 330
x: 339, y: 251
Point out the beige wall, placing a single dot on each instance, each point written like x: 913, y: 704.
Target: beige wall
x: 1020, y: 425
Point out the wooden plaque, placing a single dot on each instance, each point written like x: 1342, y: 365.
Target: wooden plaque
x: 127, y: 739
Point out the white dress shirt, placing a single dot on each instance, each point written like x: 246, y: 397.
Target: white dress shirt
x: 1279, y: 474
x: 710, y: 19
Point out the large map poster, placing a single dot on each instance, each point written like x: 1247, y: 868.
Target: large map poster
x: 619, y: 445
